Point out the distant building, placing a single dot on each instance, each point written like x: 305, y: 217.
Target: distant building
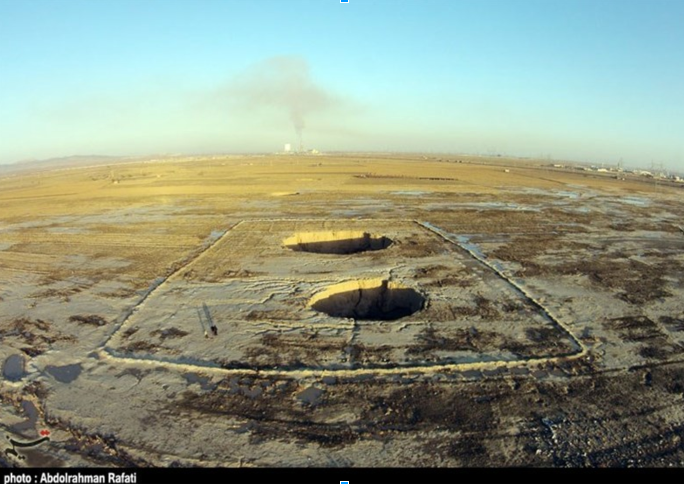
x: 288, y: 147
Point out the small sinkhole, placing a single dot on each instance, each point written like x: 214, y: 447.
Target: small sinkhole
x: 371, y: 299
x: 336, y: 242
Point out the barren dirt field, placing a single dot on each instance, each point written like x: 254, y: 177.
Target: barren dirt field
x: 340, y: 311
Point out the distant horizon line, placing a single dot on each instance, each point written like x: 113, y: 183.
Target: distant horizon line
x: 432, y: 154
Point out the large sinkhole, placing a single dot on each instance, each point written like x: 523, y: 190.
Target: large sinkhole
x: 337, y: 242
x: 370, y: 299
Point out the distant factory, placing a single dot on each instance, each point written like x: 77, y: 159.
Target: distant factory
x: 287, y: 150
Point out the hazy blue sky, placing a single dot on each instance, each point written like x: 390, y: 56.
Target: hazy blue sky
x: 592, y: 80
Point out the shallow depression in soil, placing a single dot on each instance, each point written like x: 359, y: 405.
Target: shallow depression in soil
x: 336, y: 242
x: 370, y: 299
x: 13, y: 368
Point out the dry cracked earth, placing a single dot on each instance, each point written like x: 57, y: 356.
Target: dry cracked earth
x: 340, y: 311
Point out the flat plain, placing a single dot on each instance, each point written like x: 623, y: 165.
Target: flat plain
x: 347, y: 310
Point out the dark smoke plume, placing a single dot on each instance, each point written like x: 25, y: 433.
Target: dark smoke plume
x: 282, y: 83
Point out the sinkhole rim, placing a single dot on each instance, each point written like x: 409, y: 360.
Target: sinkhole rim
x: 376, y: 299
x: 338, y: 242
